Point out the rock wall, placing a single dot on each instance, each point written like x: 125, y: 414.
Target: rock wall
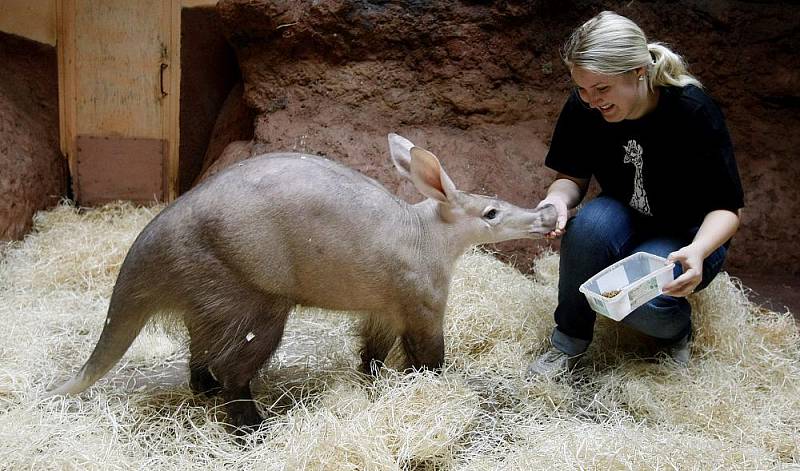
x: 478, y: 83
x: 33, y: 172
x: 481, y: 83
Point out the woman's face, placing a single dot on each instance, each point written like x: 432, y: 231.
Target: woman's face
x: 616, y: 97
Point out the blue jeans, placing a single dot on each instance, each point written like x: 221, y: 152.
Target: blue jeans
x: 605, y: 231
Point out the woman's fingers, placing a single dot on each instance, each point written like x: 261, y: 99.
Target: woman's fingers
x: 683, y: 285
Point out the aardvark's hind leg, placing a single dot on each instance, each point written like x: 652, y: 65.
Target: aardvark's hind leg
x: 201, y: 380
x: 232, y: 340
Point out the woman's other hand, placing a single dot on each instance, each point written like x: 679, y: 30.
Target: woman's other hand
x: 717, y: 227
x: 691, y: 260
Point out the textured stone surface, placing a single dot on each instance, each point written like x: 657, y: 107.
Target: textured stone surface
x: 234, y: 123
x: 481, y: 83
x: 32, y: 170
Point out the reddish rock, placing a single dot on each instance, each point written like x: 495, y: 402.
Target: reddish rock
x: 33, y: 172
x: 481, y: 83
x: 234, y: 123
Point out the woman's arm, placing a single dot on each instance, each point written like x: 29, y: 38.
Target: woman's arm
x: 718, y: 226
x: 564, y: 193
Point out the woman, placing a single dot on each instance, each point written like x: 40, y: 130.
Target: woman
x: 658, y: 146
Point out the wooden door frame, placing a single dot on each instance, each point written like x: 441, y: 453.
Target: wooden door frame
x: 172, y: 22
x: 170, y: 76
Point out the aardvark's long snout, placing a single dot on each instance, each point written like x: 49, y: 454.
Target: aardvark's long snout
x: 547, y: 220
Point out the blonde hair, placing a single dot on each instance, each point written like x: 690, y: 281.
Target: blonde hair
x: 612, y: 44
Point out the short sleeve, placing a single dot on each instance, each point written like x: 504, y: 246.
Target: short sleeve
x: 566, y: 154
x: 721, y: 186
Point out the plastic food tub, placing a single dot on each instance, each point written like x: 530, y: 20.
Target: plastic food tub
x: 627, y: 284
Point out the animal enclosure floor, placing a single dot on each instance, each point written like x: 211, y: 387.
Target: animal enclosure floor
x: 736, y: 405
x: 774, y: 291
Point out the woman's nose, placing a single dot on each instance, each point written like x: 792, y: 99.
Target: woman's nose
x: 588, y: 98
x: 591, y: 99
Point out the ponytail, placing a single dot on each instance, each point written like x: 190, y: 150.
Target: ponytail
x: 668, y: 68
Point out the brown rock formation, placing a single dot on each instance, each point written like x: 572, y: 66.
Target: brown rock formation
x: 481, y: 83
x: 33, y: 172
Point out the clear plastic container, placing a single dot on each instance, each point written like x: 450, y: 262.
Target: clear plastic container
x: 627, y: 284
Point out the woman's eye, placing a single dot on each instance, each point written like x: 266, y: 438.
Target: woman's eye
x: 491, y: 214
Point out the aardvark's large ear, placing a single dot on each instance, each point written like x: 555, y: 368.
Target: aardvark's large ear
x: 400, y: 150
x: 429, y: 177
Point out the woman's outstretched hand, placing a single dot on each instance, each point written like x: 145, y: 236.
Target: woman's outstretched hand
x: 561, y: 211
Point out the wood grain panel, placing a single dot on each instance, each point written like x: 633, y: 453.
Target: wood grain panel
x: 119, y: 48
x: 119, y: 76
x: 111, y: 169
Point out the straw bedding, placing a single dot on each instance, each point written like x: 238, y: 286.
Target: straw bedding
x: 736, y: 406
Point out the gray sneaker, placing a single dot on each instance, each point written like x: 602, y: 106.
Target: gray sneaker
x: 552, y: 363
x: 680, y: 351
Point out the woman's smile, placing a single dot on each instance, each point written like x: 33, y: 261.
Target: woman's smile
x: 617, y: 97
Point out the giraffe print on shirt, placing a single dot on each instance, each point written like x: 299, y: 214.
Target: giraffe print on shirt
x: 633, y: 154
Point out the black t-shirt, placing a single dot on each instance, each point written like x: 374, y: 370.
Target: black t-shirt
x: 675, y: 164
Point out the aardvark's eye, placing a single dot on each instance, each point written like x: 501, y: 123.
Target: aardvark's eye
x: 491, y: 214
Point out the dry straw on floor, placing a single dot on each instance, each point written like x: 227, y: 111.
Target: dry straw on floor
x: 737, y: 405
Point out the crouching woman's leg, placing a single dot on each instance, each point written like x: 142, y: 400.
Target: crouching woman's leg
x: 596, y: 237
x: 668, y: 318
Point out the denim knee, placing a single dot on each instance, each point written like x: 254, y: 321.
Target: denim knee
x: 603, y: 224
